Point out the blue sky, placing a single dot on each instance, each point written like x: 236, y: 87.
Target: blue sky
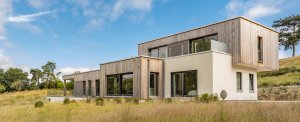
x: 81, y: 34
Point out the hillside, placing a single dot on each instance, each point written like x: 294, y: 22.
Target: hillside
x: 288, y: 74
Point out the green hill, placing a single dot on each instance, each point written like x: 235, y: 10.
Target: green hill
x: 287, y: 75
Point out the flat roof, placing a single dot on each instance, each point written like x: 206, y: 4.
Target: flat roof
x: 82, y: 72
x: 131, y: 58
x: 211, y: 25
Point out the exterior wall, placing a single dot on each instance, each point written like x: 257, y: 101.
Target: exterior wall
x: 241, y: 36
x: 84, y: 76
x: 249, y: 34
x: 224, y: 78
x: 202, y: 62
x: 214, y: 74
x: 140, y: 67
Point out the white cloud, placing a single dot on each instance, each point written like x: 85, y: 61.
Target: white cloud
x: 27, y: 17
x: 38, y: 4
x: 5, y: 61
x: 253, y: 9
x: 71, y: 70
x: 5, y: 10
x: 122, y: 5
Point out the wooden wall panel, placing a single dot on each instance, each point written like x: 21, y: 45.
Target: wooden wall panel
x: 241, y: 36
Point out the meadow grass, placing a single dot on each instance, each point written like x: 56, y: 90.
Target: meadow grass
x: 147, y: 111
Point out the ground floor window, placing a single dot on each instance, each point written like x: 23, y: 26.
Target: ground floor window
x: 251, y: 82
x: 97, y: 87
x: 84, y: 87
x: 239, y: 85
x: 153, y: 84
x: 120, y: 85
x: 90, y: 88
x: 184, y: 84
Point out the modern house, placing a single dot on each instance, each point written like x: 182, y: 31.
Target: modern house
x: 220, y: 56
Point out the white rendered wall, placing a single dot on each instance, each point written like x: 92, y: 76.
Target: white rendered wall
x: 214, y: 73
x: 225, y: 79
x: 200, y: 62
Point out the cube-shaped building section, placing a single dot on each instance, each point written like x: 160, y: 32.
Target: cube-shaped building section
x: 222, y: 56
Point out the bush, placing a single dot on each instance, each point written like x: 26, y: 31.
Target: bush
x: 223, y: 94
x: 118, y: 100
x: 136, y: 100
x: 128, y: 100
x: 206, y: 98
x: 2, y: 88
x: 66, y: 101
x: 73, y: 101
x: 168, y: 100
x: 99, y: 101
x: 70, y: 85
x: 149, y: 100
x: 38, y: 104
x: 88, y: 100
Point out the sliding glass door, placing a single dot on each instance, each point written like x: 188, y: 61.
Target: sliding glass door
x: 184, y: 84
x: 120, y: 85
x: 153, y: 84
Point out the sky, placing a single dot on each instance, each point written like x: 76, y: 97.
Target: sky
x: 78, y: 35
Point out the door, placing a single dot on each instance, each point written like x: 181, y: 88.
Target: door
x: 177, y: 85
x: 153, y: 84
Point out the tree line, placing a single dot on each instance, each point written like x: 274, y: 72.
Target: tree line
x: 15, y: 79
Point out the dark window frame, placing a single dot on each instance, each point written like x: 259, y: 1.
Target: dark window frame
x: 251, y: 83
x: 158, y: 48
x: 97, y: 87
x: 260, y: 52
x: 240, y: 74
x: 183, y: 84
x: 156, y: 85
x: 193, y: 39
x: 84, y: 87
x: 120, y: 84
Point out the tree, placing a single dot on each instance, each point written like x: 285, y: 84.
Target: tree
x: 289, y: 35
x: 48, y: 71
x: 2, y: 88
x: 14, y: 75
x: 36, y: 75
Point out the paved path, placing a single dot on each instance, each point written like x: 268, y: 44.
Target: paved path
x: 61, y: 99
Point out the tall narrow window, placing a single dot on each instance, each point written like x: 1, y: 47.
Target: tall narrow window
x: 239, y: 85
x: 90, y: 88
x: 153, y: 84
x: 260, y: 49
x: 84, y: 86
x: 127, y: 84
x: 97, y: 87
x: 251, y: 82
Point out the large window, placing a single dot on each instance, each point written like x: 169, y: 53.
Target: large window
x: 153, y: 84
x: 184, y: 84
x: 239, y: 81
x: 120, y: 85
x: 90, y: 88
x: 260, y: 49
x: 161, y: 52
x: 251, y: 82
x: 202, y: 44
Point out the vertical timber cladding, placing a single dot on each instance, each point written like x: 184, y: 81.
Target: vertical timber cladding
x: 84, y: 76
x: 139, y: 66
x: 228, y: 32
x: 250, y: 32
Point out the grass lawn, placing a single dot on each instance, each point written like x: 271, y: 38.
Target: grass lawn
x: 20, y: 107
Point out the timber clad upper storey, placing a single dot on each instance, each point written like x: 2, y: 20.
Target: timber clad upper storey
x: 250, y: 44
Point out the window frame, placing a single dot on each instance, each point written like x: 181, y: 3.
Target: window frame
x: 183, y: 83
x: 191, y: 49
x: 84, y: 88
x: 251, y: 83
x: 260, y: 52
x: 119, y: 76
x: 158, y: 51
x: 155, y: 84
x: 239, y: 83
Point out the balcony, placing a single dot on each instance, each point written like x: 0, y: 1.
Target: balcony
x: 202, y: 45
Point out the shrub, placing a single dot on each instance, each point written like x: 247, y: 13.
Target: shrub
x: 66, y: 101
x: 73, y: 101
x: 136, y: 100
x: 118, y: 100
x: 223, y: 94
x: 2, y: 88
x: 88, y: 100
x: 206, y: 98
x: 168, y: 100
x: 38, y: 104
x: 128, y: 100
x: 149, y: 100
x: 99, y: 101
